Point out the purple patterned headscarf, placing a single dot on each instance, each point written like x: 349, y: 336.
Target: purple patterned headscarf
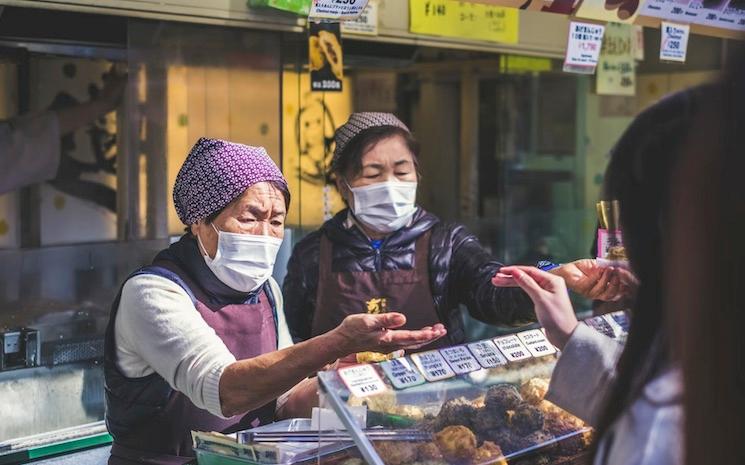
x: 359, y: 122
x: 215, y: 173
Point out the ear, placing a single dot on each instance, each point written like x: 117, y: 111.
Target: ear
x: 194, y: 227
x: 343, y: 190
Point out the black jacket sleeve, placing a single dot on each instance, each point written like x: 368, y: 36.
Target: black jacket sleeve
x: 300, y: 287
x: 471, y: 270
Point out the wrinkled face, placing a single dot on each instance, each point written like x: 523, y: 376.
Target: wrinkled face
x: 388, y: 160
x: 260, y: 210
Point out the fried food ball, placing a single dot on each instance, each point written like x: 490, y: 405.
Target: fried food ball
x: 508, y: 441
x: 502, y: 397
x: 486, y: 419
x: 535, y: 460
x: 489, y: 453
x: 396, y: 452
x: 459, y: 411
x: 527, y: 419
x: 558, y: 421
x: 428, y: 451
x: 534, y: 390
x: 537, y: 438
x: 457, y: 443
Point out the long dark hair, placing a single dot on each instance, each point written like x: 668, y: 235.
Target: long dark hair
x: 706, y: 283
x: 639, y: 176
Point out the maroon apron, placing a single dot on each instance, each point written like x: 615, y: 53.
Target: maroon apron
x: 248, y: 330
x: 341, y: 294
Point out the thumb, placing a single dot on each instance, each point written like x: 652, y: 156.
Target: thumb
x: 390, y: 320
x: 528, y: 284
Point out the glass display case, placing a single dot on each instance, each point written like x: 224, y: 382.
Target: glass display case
x: 472, y: 404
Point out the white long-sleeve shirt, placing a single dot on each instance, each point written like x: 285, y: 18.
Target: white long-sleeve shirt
x: 157, y: 329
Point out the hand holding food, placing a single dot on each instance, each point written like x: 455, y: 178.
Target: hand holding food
x: 552, y: 305
x: 378, y: 333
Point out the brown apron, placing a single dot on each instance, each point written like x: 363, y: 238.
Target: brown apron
x: 341, y: 294
x: 248, y: 330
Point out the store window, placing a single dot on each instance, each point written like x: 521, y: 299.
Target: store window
x: 67, y: 244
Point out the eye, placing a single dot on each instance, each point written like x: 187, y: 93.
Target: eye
x: 277, y: 223
x: 247, y: 220
x: 403, y: 174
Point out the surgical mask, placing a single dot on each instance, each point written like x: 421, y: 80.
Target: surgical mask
x: 386, y: 206
x: 242, y: 262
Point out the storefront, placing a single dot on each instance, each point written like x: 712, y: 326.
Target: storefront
x: 511, y: 146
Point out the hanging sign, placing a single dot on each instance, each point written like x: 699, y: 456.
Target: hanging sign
x: 617, y: 11
x: 583, y: 47
x: 325, y: 57
x: 464, y: 20
x: 337, y: 9
x: 616, y: 68
x: 402, y: 373
x: 299, y: 7
x: 638, y: 42
x: 362, y: 380
x: 674, y: 41
x: 366, y: 24
x: 460, y: 360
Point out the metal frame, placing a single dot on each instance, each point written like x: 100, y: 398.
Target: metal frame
x: 358, y: 436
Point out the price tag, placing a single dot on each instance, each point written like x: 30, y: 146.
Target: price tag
x: 536, y: 343
x: 583, y: 47
x: 512, y: 348
x: 337, y: 9
x: 402, y: 373
x: 487, y: 354
x: 460, y: 359
x: 433, y: 366
x: 362, y: 380
x: 674, y: 41
x: 601, y: 325
x: 618, y: 319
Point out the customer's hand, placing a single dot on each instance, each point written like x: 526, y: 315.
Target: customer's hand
x: 552, y: 306
x: 378, y: 333
x: 588, y: 279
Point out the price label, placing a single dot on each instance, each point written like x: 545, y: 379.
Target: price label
x: 433, y: 366
x: 402, y: 373
x: 337, y: 9
x: 601, y: 325
x: 512, y: 348
x: 487, y: 354
x: 536, y: 343
x: 618, y: 319
x: 460, y: 359
x: 362, y: 380
x: 674, y: 41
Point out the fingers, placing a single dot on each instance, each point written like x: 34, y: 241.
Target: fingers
x: 503, y: 280
x: 612, y: 292
x: 544, y: 280
x: 403, y: 339
x: 387, y: 320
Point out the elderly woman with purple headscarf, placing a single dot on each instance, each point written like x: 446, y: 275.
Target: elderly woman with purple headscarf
x: 198, y: 339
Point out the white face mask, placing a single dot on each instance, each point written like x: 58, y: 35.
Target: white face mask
x: 385, y: 206
x: 242, y: 262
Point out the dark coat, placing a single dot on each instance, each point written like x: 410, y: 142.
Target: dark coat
x: 460, y: 271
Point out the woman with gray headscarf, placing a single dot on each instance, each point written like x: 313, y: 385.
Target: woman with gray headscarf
x: 198, y: 339
x: 385, y: 252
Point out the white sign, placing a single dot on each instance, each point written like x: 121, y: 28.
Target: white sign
x: 362, y: 380
x: 487, y: 354
x: 433, y: 366
x: 583, y: 47
x: 401, y: 373
x: 536, y: 343
x: 512, y: 348
x: 460, y: 360
x: 674, y: 41
x: 366, y: 24
x: 337, y: 9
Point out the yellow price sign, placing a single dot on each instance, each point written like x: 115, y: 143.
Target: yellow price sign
x: 464, y: 20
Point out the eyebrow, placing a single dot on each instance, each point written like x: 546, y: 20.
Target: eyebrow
x: 402, y: 162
